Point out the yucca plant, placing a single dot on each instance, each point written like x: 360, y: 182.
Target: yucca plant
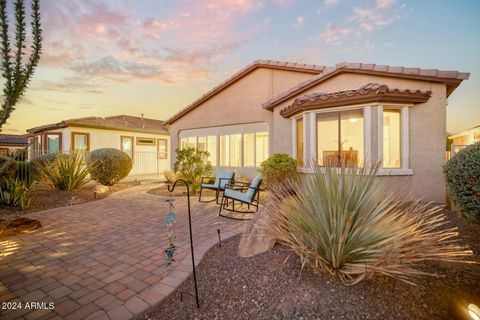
x: 344, y: 222
x: 65, y: 172
x: 14, y: 192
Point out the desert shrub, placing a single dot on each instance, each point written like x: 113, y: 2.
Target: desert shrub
x: 8, y: 167
x: 192, y: 165
x: 24, y: 172
x: 43, y: 160
x: 462, y: 173
x: 277, y: 168
x: 14, y: 192
x: 109, y: 165
x: 65, y: 172
x: 170, y: 176
x: 347, y: 224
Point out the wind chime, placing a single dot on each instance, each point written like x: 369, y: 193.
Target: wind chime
x: 170, y: 218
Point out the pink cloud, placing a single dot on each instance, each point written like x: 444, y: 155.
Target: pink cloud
x: 334, y: 34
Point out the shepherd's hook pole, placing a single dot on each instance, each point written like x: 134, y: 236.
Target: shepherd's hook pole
x: 170, y: 189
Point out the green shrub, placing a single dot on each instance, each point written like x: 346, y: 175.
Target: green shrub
x: 43, y: 160
x: 109, y: 165
x: 24, y: 172
x: 65, y: 172
x: 191, y: 166
x: 346, y: 223
x: 462, y: 173
x: 8, y: 167
x: 277, y: 168
x: 14, y: 192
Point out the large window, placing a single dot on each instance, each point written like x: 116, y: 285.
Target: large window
x: 391, y: 138
x: 80, y: 141
x: 234, y: 150
x: 224, y: 151
x: 249, y: 149
x: 212, y: 149
x: 340, y: 138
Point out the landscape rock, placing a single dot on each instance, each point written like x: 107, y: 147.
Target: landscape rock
x: 100, y: 188
x: 256, y: 239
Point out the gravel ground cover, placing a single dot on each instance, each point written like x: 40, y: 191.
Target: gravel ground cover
x: 272, y: 286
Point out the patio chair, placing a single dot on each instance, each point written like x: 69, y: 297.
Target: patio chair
x: 243, y: 194
x: 222, y: 179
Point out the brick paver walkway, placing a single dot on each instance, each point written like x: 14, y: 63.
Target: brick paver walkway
x: 104, y: 260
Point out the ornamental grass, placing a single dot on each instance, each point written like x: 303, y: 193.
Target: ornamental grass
x: 346, y: 223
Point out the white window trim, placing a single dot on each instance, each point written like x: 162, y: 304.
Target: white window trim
x: 310, y: 141
x: 404, y: 142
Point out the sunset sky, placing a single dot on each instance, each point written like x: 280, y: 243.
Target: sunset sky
x: 156, y: 56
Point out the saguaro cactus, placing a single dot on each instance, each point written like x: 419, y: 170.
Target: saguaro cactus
x: 15, y: 70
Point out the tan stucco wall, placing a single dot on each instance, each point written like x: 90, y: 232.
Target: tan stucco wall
x: 427, y: 131
x: 239, y: 103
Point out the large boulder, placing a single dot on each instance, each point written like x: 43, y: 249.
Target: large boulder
x: 256, y: 239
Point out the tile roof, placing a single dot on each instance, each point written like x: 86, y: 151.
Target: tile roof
x: 13, y: 140
x: 372, y: 92
x: 451, y: 78
x: 120, y: 122
x: 271, y: 64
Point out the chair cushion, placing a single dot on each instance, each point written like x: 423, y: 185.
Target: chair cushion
x: 209, y: 186
x: 255, y: 184
x: 237, y: 195
x: 226, y: 175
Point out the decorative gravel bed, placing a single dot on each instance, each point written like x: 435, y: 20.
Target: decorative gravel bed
x: 272, y: 286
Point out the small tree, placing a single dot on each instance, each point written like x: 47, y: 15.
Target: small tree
x: 192, y: 165
x: 17, y: 74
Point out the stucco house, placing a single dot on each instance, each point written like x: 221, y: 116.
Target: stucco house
x: 146, y: 141
x: 10, y: 144
x: 354, y: 111
x: 466, y: 137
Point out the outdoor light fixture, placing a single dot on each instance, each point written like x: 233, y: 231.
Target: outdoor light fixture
x: 473, y: 311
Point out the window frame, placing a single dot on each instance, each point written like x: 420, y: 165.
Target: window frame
x: 44, y: 138
x: 133, y: 144
x: 79, y: 133
x: 138, y: 143
x: 404, y: 139
x: 166, y: 149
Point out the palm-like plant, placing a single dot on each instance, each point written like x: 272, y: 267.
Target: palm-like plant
x: 346, y: 223
x: 66, y: 172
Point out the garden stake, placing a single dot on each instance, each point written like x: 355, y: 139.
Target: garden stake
x: 170, y: 189
x: 219, y: 239
x: 170, y: 219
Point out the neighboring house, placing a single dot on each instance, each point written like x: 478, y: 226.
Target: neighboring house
x: 351, y: 112
x: 467, y: 137
x: 11, y: 144
x: 146, y: 141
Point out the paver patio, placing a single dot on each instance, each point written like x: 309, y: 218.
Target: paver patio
x: 104, y: 259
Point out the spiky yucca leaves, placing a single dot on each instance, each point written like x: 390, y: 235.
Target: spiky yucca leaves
x: 344, y: 222
x: 65, y: 172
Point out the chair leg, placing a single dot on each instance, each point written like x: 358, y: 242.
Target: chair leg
x: 221, y: 205
x: 200, y: 195
x: 216, y: 196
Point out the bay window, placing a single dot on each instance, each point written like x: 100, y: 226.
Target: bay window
x: 235, y: 150
x: 261, y: 147
x: 224, y: 150
x: 249, y: 149
x: 212, y: 149
x: 299, y: 135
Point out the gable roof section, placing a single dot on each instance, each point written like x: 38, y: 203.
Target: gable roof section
x: 372, y: 92
x: 13, y: 140
x: 121, y: 122
x: 464, y: 132
x: 270, y: 64
x: 451, y: 78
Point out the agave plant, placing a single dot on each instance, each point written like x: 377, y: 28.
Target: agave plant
x: 65, y: 172
x: 345, y: 222
x: 14, y: 192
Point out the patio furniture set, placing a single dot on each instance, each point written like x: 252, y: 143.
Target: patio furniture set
x: 232, y: 191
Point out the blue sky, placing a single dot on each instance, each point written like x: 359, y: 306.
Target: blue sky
x: 156, y: 56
